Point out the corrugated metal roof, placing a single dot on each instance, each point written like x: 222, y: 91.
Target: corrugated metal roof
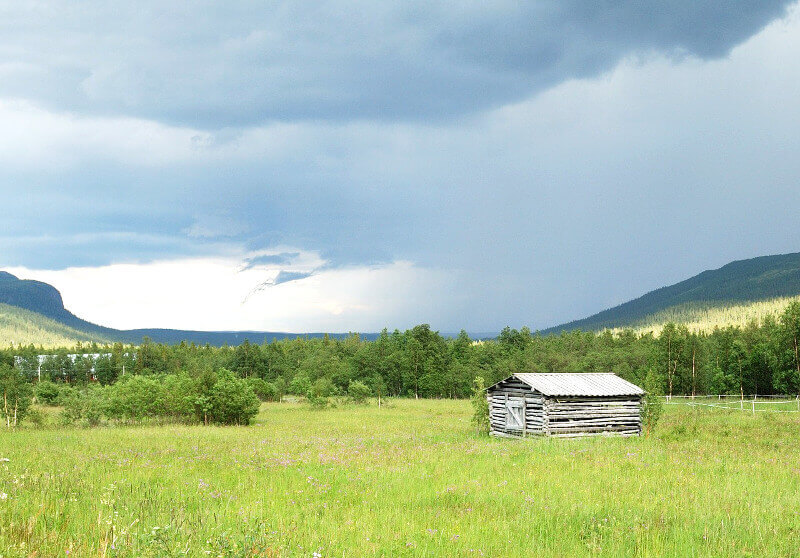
x: 580, y: 384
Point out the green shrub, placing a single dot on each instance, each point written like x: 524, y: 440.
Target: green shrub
x: 280, y: 387
x: 319, y: 393
x: 652, y: 403
x: 64, y: 392
x: 232, y: 400
x: 73, y: 403
x: 317, y: 401
x: 87, y: 406
x: 211, y: 398
x: 358, y: 392
x: 35, y: 416
x: 300, y: 385
x: 95, y: 405
x: 47, y: 393
x: 178, y: 394
x: 136, y: 397
x: 324, y: 387
x: 263, y: 389
x: 480, y: 406
x: 16, y: 395
x: 202, y: 408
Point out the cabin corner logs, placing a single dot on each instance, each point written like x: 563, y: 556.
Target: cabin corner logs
x: 564, y: 405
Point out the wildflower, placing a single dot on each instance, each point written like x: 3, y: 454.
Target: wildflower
x: 3, y: 496
x: 4, y: 460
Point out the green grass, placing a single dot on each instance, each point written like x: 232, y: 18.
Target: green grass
x: 22, y: 327
x: 409, y: 480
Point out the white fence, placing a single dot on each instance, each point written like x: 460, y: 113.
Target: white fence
x: 749, y: 403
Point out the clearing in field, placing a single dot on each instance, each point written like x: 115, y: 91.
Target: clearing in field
x: 408, y: 480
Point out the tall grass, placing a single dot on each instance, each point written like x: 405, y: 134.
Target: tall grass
x: 409, y: 479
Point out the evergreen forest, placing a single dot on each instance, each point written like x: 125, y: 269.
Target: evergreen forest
x: 759, y: 358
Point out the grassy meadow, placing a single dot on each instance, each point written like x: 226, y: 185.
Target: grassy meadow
x: 409, y: 479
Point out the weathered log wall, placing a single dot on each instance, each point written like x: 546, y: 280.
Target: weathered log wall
x: 586, y: 416
x: 514, y: 396
x: 512, y: 400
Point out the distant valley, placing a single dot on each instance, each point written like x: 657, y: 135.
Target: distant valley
x: 735, y: 294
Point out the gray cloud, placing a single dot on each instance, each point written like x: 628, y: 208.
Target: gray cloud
x: 571, y: 200
x: 271, y: 259
x: 287, y: 276
x: 235, y: 64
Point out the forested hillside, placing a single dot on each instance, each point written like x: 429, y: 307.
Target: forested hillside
x: 22, y: 327
x: 705, y: 317
x: 729, y: 289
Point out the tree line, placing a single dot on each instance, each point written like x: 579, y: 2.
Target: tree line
x: 761, y: 358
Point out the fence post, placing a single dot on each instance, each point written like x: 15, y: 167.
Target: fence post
x: 754, y: 407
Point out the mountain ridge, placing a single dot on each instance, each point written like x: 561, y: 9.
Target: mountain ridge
x: 749, y: 280
x: 736, y: 284
x: 45, y: 300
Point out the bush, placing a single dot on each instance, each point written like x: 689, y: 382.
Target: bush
x: 178, y: 393
x: 16, y: 395
x: 35, y: 416
x: 136, y: 397
x: 300, y: 385
x: 95, y: 407
x: 85, y: 406
x: 652, y: 404
x: 65, y: 391
x: 72, y: 403
x: 480, y: 406
x: 47, y: 393
x: 232, y: 400
x: 317, y: 401
x: 324, y: 388
x: 358, y: 392
x: 280, y: 387
x: 212, y: 398
x: 319, y: 393
x: 263, y: 389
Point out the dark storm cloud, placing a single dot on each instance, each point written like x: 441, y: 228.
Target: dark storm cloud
x: 237, y: 64
x: 582, y: 194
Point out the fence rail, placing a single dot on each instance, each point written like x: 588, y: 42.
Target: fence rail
x: 733, y: 396
x: 748, y: 403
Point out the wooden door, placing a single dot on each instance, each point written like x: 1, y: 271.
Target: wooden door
x: 514, y: 415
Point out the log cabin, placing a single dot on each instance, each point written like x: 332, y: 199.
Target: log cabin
x: 567, y: 405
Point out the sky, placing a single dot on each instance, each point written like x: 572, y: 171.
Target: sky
x: 349, y: 165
